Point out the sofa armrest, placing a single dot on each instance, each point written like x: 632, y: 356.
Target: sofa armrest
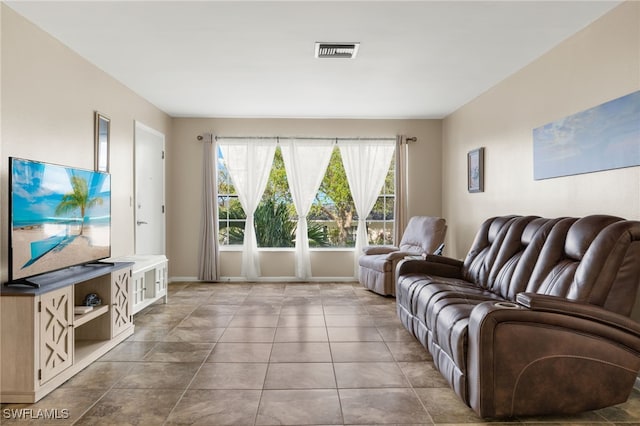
x: 545, y: 303
x: 444, y: 260
x: 431, y: 265
x: 525, y: 360
x: 397, y: 255
x: 379, y: 249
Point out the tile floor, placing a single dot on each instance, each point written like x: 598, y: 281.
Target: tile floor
x: 270, y: 354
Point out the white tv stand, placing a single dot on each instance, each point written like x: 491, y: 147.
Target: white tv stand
x: 43, y: 344
x: 149, y: 279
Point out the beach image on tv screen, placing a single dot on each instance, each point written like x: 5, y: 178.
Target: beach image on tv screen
x: 60, y: 217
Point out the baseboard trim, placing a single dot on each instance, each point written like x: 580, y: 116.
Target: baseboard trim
x: 183, y: 279
x: 270, y: 280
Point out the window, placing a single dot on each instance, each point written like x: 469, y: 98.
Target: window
x: 332, y: 220
x: 380, y: 221
x: 274, y: 218
x: 335, y: 211
x: 231, y: 216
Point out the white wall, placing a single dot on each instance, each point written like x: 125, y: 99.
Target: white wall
x: 184, y: 188
x: 49, y: 95
x: 598, y: 64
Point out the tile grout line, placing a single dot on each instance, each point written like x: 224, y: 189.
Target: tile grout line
x: 333, y: 364
x: 104, y: 394
x: 255, y: 417
x: 194, y: 376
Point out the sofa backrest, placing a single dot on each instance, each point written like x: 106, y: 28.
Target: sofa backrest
x: 518, y: 255
x: 485, y: 248
x: 423, y: 234
x: 504, y: 253
x: 595, y: 259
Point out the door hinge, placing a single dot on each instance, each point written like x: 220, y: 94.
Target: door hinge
x: 39, y: 306
x: 163, y: 155
x: 40, y: 374
x: 163, y: 209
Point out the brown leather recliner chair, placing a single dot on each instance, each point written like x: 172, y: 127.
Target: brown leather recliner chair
x: 377, y: 264
x: 535, y: 320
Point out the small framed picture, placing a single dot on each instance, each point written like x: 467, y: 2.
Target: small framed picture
x: 475, y: 170
x: 102, y: 129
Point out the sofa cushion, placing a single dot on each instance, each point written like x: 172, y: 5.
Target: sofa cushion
x: 376, y: 262
x: 379, y: 249
x: 441, y: 307
x: 438, y: 316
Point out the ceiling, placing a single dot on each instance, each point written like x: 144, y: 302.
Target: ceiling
x: 417, y: 59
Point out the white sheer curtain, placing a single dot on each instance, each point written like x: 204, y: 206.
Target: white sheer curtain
x: 208, y: 262
x: 306, y: 162
x: 366, y: 164
x: 249, y: 163
x: 402, y: 185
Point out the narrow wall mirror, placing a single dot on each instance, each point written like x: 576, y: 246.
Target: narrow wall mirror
x: 101, y: 130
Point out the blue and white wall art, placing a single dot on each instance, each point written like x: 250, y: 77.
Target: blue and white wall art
x: 601, y: 138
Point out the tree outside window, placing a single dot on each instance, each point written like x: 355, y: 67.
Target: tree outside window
x: 331, y: 222
x: 231, y: 216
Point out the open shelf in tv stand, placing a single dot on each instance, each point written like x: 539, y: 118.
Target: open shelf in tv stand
x: 82, y: 319
x: 44, y: 344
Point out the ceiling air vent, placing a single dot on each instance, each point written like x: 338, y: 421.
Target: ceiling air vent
x: 337, y: 50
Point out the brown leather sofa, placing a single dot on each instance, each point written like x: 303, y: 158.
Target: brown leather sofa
x: 377, y: 264
x: 536, y: 319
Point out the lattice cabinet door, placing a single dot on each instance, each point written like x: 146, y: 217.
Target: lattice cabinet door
x: 56, y: 331
x: 121, y: 304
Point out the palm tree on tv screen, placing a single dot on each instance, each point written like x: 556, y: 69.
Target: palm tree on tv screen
x: 77, y: 199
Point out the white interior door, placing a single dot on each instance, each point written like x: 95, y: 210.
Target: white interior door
x: 149, y: 190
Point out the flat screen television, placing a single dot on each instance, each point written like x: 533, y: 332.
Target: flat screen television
x: 59, y: 217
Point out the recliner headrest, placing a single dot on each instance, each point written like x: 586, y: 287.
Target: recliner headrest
x: 583, y: 232
x: 531, y: 229
x: 496, y: 226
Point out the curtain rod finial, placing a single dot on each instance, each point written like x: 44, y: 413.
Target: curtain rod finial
x: 412, y: 139
x: 207, y: 137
